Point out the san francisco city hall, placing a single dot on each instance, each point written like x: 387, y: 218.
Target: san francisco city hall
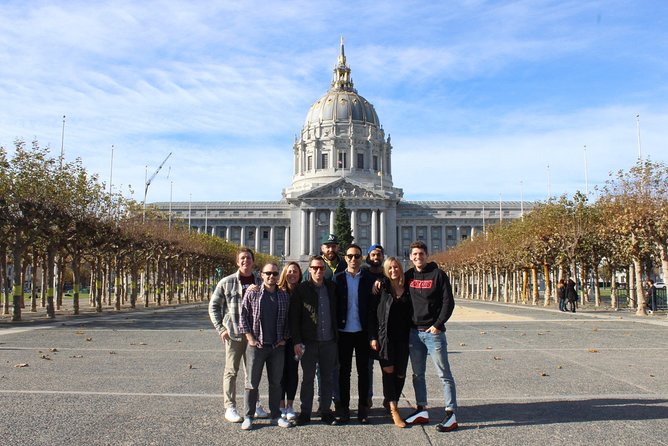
x: 342, y: 151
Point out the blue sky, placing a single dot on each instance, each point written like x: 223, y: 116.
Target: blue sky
x: 478, y: 96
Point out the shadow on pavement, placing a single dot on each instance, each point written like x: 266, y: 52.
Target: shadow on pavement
x: 552, y: 412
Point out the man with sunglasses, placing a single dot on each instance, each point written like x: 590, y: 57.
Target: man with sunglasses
x: 353, y: 287
x: 264, y: 317
x: 313, y: 329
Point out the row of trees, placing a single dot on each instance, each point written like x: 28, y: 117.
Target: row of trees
x: 58, y: 218
x: 624, y: 230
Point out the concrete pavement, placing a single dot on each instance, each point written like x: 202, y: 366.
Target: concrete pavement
x: 524, y: 375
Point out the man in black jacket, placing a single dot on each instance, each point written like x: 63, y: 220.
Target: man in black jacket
x: 433, y: 304
x: 313, y: 326
x: 353, y: 287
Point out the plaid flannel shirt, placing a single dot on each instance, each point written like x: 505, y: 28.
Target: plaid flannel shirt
x: 225, y: 305
x: 251, y: 315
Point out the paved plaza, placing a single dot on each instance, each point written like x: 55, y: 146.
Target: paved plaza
x: 525, y: 375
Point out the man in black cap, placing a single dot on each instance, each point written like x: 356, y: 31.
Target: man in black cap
x: 334, y: 264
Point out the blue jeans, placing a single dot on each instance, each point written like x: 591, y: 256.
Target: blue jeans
x: 420, y: 344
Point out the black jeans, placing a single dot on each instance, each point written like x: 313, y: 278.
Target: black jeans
x: 290, y: 380
x: 324, y: 355
x: 359, y: 343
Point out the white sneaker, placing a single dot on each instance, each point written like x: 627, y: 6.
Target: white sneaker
x: 260, y: 412
x: 290, y: 414
x: 420, y: 416
x: 449, y: 423
x: 247, y: 424
x: 232, y: 415
x: 283, y: 412
x: 280, y: 422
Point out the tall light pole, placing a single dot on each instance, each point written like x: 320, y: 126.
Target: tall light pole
x: 500, y: 210
x: 586, y: 173
x: 549, y: 185
x: 638, y: 127
x: 62, y: 144
x: 522, y: 199
x: 190, y: 208
x: 171, y: 188
x: 111, y: 177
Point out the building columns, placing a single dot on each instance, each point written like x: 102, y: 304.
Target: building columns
x: 383, y: 232
x: 271, y: 240
x: 374, y: 227
x: 353, y: 223
x: 304, y: 234
x: 332, y: 218
x: 311, y: 232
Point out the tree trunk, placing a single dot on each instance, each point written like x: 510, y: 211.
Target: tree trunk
x: 584, y: 291
x: 98, y: 285
x: 117, y: 284
x: 525, y: 284
x: 33, y: 282
x: 76, y: 280
x: 613, y: 289
x: 4, y: 283
x: 505, y: 286
x: 534, y: 284
x: 642, y: 305
x: 17, y: 291
x: 597, y: 289
x: 548, y: 287
x: 51, y: 274
x: 632, y: 286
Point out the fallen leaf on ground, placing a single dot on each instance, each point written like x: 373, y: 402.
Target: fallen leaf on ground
x: 53, y: 349
x: 544, y: 374
x: 592, y: 350
x: 461, y: 344
x: 22, y: 365
x: 89, y: 339
x: 76, y: 356
x: 498, y: 358
x: 45, y: 357
x: 483, y: 332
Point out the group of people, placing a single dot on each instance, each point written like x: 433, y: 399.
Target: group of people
x: 567, y: 295
x: 339, y: 308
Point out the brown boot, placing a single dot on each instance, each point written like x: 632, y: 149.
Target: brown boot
x: 396, y: 418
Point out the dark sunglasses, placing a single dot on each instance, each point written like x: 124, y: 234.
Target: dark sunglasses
x: 353, y: 256
x: 316, y: 268
x: 270, y: 273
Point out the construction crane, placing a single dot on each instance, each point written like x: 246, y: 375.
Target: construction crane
x: 149, y: 180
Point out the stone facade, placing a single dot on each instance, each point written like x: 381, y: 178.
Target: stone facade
x: 342, y: 151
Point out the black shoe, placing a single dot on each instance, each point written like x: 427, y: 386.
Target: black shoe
x: 363, y: 415
x: 449, y: 423
x: 329, y: 418
x: 342, y: 414
x: 302, y: 419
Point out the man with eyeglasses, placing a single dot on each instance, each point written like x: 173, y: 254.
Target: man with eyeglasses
x: 353, y: 287
x: 313, y: 329
x: 264, y: 313
x: 224, y: 312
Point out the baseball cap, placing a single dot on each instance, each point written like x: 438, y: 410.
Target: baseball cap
x: 329, y: 239
x: 374, y: 247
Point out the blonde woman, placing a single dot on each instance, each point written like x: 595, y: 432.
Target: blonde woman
x: 389, y: 327
x: 289, y: 278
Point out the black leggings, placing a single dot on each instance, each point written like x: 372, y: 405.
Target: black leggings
x: 290, y: 379
x: 393, y: 383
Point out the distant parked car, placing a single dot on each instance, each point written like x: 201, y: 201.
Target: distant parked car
x: 659, y: 285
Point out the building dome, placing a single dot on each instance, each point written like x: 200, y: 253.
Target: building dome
x: 342, y: 138
x: 341, y: 103
x: 342, y: 107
